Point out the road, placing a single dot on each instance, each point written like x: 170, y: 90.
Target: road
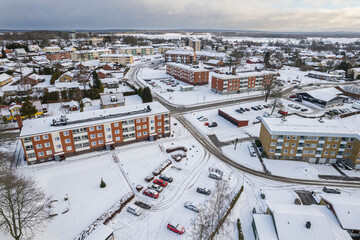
x: 178, y: 113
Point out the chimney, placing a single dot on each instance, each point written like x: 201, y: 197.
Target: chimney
x: 308, y: 224
x: 19, y: 121
x: 234, y: 71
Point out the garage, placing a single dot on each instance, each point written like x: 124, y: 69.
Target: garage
x: 322, y: 160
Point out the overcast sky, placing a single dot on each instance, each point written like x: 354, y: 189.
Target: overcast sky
x: 268, y: 15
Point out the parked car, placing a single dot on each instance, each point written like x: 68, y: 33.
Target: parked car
x: 155, y: 187
x: 213, y: 124
x: 292, y: 96
x: 331, y: 190
x: 297, y: 107
x: 165, y: 178
x: 198, y: 118
x: 298, y: 99
x: 265, y: 106
x: 304, y: 109
x: 203, y: 119
x: 258, y: 118
x: 254, y: 108
x: 176, y: 228
x: 238, y: 111
x: 203, y: 190
x: 189, y: 205
x: 243, y: 110
x: 215, y: 175
x: 266, y: 114
x: 340, y: 165
x: 247, y: 109
x: 160, y: 182
x: 206, y: 124
x: 134, y: 210
x: 151, y: 193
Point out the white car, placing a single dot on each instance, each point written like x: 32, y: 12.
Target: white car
x: 134, y: 210
x: 155, y: 187
x: 189, y: 205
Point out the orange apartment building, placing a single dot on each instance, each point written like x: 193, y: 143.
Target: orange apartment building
x: 58, y: 55
x: 310, y: 140
x: 228, y: 84
x: 55, y: 138
x: 180, y: 56
x: 189, y: 74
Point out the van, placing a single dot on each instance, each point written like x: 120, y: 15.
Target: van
x: 134, y: 210
x: 214, y: 175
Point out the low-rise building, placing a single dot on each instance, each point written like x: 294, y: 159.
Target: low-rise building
x: 87, y: 55
x: 55, y: 138
x: 356, y: 72
x: 194, y: 75
x: 52, y: 49
x: 326, y: 97
x: 242, y: 82
x: 9, y: 112
x: 310, y: 140
x: 122, y: 59
x: 58, y: 55
x: 137, y: 50
x: 5, y: 79
x: 325, y: 76
x: 233, y: 117
x: 111, y: 100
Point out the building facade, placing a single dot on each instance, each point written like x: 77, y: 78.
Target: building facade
x: 122, y: 59
x: 228, y: 84
x: 195, y: 44
x: 58, y: 55
x: 310, y: 140
x: 188, y: 74
x: 55, y: 138
x: 87, y: 55
x: 180, y: 56
x: 136, y: 51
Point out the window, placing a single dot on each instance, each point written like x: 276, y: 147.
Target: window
x: 92, y: 136
x: 48, y: 152
x: 159, y: 130
x: 109, y: 136
x: 306, y: 152
x: 288, y: 137
x: 145, y: 133
x: 332, y: 153
x: 352, y: 139
x: 101, y: 142
x: 31, y: 155
x: 294, y: 137
x: 349, y: 147
x: 315, y: 138
x: 347, y: 153
x: 287, y: 144
x: 66, y: 133
x: 326, y: 153
x: 336, y: 139
x: 138, y: 127
x: 67, y: 140
x: 159, y: 123
x: 27, y: 139
x: 329, y: 138
x: 91, y: 128
x: 285, y: 151
x: 99, y: 134
x: 117, y: 139
x: 46, y: 137
x: 37, y: 138
x: 47, y: 144
x: 57, y: 139
x: 139, y: 134
x: 117, y: 131
x: 138, y: 120
x: 98, y: 127
x: 68, y: 148
x: 274, y: 137
x: 159, y: 117
x: 144, y: 119
x: 312, y: 152
x: 273, y: 144
x: 93, y: 143
x: 108, y: 129
x: 327, y: 145
x: 144, y: 126
x: 293, y: 144
x: 307, y: 145
x: 308, y: 138
x: 58, y: 146
x: 313, y: 145
x: 116, y: 124
x: 292, y: 151
x: 38, y: 146
x: 272, y: 150
x: 335, y: 146
x: 41, y: 154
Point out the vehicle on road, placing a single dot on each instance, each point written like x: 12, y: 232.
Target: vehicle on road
x: 176, y: 228
x: 166, y: 178
x: 304, y: 109
x: 203, y: 190
x: 206, y: 124
x: 151, y: 193
x: 160, y: 182
x: 134, y: 210
x: 213, y: 124
x: 331, y: 190
x: 191, y: 206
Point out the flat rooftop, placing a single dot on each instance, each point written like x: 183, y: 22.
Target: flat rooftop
x: 241, y: 75
x: 89, y: 118
x: 310, y: 127
x: 187, y: 67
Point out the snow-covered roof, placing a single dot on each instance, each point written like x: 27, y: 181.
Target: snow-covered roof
x: 91, y: 63
x: 265, y: 226
x: 291, y: 220
x: 101, y: 232
x: 61, y: 85
x: 310, y: 127
x: 115, y: 55
x: 243, y: 75
x: 179, y: 52
x: 233, y: 114
x: 213, y: 61
x: 187, y: 67
x: 43, y: 125
x: 325, y: 94
x: 4, y: 77
x: 347, y: 209
x: 211, y: 54
x: 112, y: 98
x: 136, y: 47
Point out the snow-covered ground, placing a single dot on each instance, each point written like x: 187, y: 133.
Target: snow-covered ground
x: 242, y: 155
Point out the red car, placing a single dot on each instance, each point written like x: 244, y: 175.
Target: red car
x: 151, y: 193
x: 160, y: 182
x: 292, y: 96
x: 176, y: 228
x: 206, y: 124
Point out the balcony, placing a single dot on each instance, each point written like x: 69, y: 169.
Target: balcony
x: 298, y: 155
x: 280, y: 139
x: 321, y: 141
x: 343, y: 142
x: 318, y: 155
x: 301, y: 140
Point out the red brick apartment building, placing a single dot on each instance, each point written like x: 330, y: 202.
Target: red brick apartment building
x: 188, y: 74
x: 180, y: 56
x: 57, y: 56
x: 228, y: 84
x: 55, y: 138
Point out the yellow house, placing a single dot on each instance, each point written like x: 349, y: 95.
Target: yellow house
x: 66, y: 77
x: 9, y: 112
x: 5, y: 79
x: 52, y: 49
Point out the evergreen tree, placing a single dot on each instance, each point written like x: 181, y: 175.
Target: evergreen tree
x: 3, y: 53
x: 97, y: 83
x: 140, y: 92
x: 267, y: 59
x: 55, y: 76
x: 102, y: 183
x: 147, y: 97
x: 28, y: 109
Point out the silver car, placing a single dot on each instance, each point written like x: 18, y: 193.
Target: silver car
x: 155, y: 187
x: 189, y: 205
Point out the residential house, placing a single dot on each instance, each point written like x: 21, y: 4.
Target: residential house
x: 111, y: 100
x: 5, y: 79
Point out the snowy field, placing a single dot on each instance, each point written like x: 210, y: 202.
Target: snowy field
x: 242, y: 155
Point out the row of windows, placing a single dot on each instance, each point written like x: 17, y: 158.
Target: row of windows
x: 309, y: 152
x: 39, y: 146
x: 311, y: 138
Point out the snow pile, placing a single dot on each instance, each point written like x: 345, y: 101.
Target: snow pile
x: 169, y: 150
x: 106, y: 217
x: 162, y: 167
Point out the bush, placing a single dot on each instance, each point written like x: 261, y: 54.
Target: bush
x: 102, y: 183
x: 297, y: 201
x: 241, y: 235
x: 258, y: 143
x: 263, y: 154
x: 262, y: 196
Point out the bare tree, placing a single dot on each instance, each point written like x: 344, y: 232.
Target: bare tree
x: 276, y: 95
x: 22, y: 206
x: 269, y: 87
